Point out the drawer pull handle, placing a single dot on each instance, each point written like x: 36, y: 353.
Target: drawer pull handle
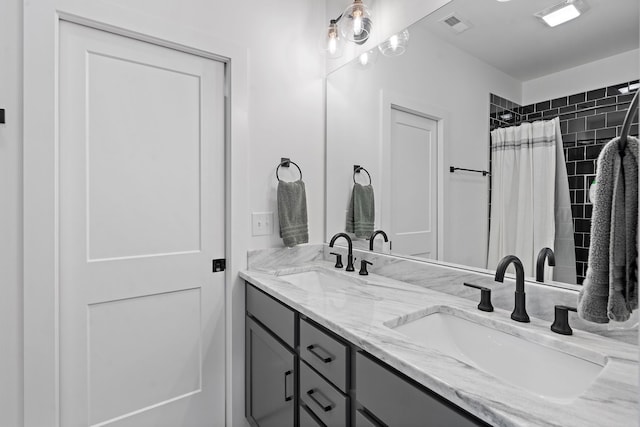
x: 287, y: 398
x: 325, y: 359
x: 325, y: 407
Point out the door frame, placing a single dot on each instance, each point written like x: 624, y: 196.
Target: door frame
x: 41, y: 369
x: 391, y: 100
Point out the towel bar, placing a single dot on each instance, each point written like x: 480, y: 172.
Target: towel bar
x: 357, y: 169
x: 285, y: 162
x: 452, y: 169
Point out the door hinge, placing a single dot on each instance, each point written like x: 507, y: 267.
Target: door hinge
x: 219, y: 265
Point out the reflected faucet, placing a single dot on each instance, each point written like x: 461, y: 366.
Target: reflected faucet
x: 350, y: 254
x: 519, y: 313
x: 545, y: 253
x: 373, y: 236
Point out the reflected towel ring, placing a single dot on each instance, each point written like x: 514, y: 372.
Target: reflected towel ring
x: 286, y: 163
x: 357, y: 169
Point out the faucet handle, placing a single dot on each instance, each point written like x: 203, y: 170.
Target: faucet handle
x: 561, y: 320
x: 338, y: 259
x: 485, y: 297
x: 363, y: 267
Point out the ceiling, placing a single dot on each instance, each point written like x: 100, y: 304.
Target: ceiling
x: 508, y: 36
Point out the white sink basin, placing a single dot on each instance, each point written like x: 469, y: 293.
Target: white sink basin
x: 542, y: 370
x: 317, y: 279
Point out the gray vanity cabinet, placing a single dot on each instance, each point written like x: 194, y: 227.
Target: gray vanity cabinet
x: 270, y: 362
x: 299, y: 374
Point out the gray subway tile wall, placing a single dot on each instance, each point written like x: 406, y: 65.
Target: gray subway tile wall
x: 588, y: 120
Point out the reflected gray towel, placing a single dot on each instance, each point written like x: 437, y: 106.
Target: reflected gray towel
x: 610, y: 290
x: 292, y: 212
x: 361, y: 211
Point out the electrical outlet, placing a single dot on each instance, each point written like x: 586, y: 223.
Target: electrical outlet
x: 262, y: 223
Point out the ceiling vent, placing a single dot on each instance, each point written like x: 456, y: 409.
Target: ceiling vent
x: 456, y: 23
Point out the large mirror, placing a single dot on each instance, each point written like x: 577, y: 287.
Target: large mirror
x: 469, y: 67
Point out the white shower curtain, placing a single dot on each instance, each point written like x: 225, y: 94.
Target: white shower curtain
x: 525, y: 165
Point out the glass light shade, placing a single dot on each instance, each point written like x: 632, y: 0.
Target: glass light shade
x: 395, y: 45
x: 355, y: 23
x: 331, y: 42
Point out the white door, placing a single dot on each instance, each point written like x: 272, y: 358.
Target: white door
x: 141, y: 216
x: 413, y: 187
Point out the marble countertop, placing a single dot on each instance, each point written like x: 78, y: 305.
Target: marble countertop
x: 362, y: 310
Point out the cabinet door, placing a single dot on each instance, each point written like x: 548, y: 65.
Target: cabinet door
x: 269, y: 379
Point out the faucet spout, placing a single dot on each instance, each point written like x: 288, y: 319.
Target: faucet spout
x: 519, y: 313
x: 350, y: 248
x: 545, y: 253
x: 373, y: 236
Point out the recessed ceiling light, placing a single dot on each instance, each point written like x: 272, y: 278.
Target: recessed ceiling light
x: 562, y: 12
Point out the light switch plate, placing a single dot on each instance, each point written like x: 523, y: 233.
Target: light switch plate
x: 262, y: 223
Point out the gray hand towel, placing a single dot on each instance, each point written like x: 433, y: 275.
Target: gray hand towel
x: 361, y: 211
x: 292, y: 212
x: 610, y: 290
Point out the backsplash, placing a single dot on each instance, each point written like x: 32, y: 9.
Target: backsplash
x: 588, y: 120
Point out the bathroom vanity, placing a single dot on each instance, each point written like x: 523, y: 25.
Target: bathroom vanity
x: 327, y: 347
x: 326, y: 379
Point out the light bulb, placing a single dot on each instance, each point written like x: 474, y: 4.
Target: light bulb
x: 364, y: 58
x: 393, y: 41
x: 357, y: 20
x: 331, y: 42
x: 333, y: 45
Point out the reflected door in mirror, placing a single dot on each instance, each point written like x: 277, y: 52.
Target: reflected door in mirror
x: 413, y: 176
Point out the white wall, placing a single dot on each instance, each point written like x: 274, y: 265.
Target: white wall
x: 284, y: 117
x: 10, y: 214
x: 615, y: 69
x: 434, y: 74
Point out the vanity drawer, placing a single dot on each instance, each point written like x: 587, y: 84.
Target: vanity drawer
x: 397, y: 402
x: 307, y: 419
x: 276, y: 316
x: 365, y: 420
x: 326, y: 354
x: 326, y: 403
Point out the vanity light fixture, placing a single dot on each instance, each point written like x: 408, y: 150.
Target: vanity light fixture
x: 355, y: 22
x: 332, y: 40
x: 562, y: 12
x: 354, y: 25
x: 396, y: 44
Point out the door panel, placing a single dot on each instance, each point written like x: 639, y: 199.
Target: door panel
x: 128, y: 102
x: 413, y: 184
x: 141, y: 216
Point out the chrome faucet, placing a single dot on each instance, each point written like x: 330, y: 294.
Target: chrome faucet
x: 350, y: 254
x: 545, y: 253
x: 373, y: 236
x: 519, y: 313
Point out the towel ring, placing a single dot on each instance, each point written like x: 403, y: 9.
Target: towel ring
x: 357, y: 169
x: 286, y: 163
